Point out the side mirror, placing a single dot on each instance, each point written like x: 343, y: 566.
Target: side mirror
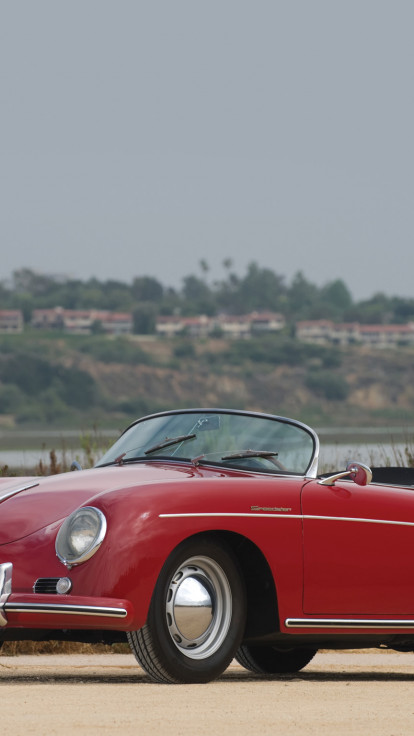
x: 75, y: 465
x: 358, y: 472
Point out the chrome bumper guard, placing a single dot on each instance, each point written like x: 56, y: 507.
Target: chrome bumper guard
x: 54, y: 608
x: 5, y: 588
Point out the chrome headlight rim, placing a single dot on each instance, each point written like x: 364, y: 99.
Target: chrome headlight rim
x: 64, y: 531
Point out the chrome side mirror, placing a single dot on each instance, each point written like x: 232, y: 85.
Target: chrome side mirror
x: 358, y: 472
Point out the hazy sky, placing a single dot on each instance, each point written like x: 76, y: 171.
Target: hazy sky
x: 138, y: 137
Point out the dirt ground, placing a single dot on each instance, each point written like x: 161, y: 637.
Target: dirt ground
x: 367, y: 692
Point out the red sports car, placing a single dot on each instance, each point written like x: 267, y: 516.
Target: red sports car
x: 203, y: 535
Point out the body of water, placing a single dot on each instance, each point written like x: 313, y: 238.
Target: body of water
x: 372, y: 446
x: 22, y: 451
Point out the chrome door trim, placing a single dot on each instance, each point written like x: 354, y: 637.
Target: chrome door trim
x: 348, y: 623
x: 304, y: 517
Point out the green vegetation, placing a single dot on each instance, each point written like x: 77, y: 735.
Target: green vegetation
x: 36, y: 389
x: 259, y: 289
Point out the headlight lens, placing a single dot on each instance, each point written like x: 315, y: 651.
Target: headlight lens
x: 80, y: 535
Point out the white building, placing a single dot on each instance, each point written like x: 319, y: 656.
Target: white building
x: 11, y: 321
x: 235, y: 326
x: 326, y: 332
x: 80, y: 321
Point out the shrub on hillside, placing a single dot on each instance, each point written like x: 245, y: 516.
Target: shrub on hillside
x: 184, y: 349
x: 33, y: 376
x: 279, y: 350
x: 119, y: 350
x: 327, y: 385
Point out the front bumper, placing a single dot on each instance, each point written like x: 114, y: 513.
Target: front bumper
x: 5, y: 588
x: 59, y: 611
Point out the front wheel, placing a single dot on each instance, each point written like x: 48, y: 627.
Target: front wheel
x: 196, y: 618
x: 272, y: 661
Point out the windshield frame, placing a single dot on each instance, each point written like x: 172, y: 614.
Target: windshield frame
x: 311, y: 470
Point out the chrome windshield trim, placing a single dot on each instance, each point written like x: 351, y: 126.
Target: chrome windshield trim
x: 64, y: 609
x: 343, y: 623
x: 6, y: 570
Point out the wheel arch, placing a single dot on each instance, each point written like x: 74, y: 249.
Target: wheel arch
x: 261, y: 596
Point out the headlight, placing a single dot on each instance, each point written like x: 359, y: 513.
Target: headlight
x: 80, y: 536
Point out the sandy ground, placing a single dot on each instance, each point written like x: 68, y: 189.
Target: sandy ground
x: 338, y: 693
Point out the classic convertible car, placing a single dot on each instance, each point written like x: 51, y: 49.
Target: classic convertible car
x: 204, y: 535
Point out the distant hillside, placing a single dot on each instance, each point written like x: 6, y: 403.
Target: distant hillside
x: 80, y: 381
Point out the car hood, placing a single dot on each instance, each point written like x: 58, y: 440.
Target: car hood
x: 29, y: 504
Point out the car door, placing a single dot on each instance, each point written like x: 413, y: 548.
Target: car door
x: 358, y: 549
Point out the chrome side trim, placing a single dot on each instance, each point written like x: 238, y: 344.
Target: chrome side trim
x: 343, y: 623
x: 6, y: 570
x: 213, y: 513
x: 64, y: 609
x: 305, y: 517
x: 360, y: 520
x: 13, y: 492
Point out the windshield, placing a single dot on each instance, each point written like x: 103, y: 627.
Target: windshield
x: 257, y: 442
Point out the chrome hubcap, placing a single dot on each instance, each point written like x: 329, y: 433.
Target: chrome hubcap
x: 199, y: 607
